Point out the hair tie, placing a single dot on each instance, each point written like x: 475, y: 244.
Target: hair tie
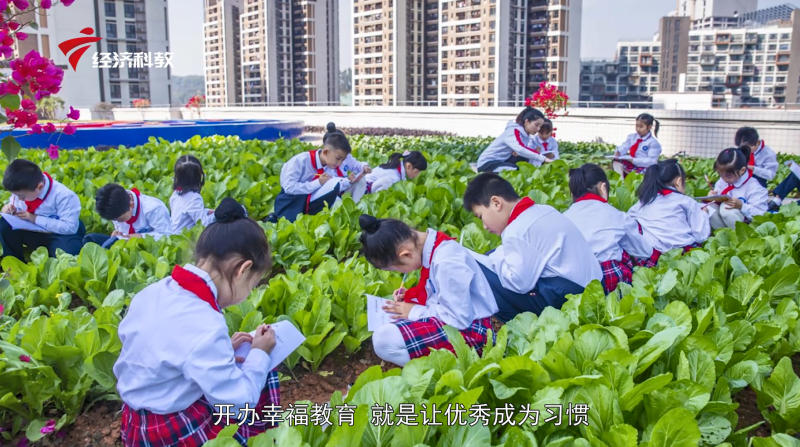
x: 406, y: 154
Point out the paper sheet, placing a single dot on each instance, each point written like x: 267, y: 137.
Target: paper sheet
x: 621, y: 157
x: 326, y: 188
x: 22, y: 224
x: 711, y: 211
x: 794, y: 168
x: 287, y: 339
x: 376, y: 316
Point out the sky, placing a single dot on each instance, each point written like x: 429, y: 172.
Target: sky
x: 603, y: 26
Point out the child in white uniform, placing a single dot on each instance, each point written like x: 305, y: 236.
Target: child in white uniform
x: 747, y: 197
x: 307, y: 172
x: 405, y: 166
x: 668, y: 218
x: 613, y: 236
x: 642, y: 147
x: 134, y: 215
x: 177, y: 360
x: 548, y: 146
x: 763, y: 162
x: 186, y: 204
x: 451, y: 291
x: 515, y: 144
x: 544, y: 257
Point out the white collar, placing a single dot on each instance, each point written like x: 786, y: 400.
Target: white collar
x: 204, y: 276
x: 318, y: 160
x: 742, y: 180
x: 402, y: 170
x: 644, y: 138
x: 427, y: 249
x: 135, y: 203
x: 46, y: 188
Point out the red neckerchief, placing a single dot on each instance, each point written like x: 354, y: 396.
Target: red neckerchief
x: 732, y: 187
x: 418, y: 294
x: 523, y: 205
x: 753, y: 154
x: 33, y: 205
x: 544, y: 145
x: 135, y: 217
x: 635, y: 147
x: 400, y: 169
x: 196, y: 285
x: 666, y: 192
x: 591, y: 196
x: 320, y: 170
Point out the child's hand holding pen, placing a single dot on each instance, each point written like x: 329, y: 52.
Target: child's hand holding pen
x: 709, y: 182
x: 400, y: 293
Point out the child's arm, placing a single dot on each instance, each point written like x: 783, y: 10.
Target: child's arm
x: 195, y: 210
x: 453, y: 306
x: 514, y: 141
x: 382, y: 184
x: 69, y: 209
x: 623, y: 148
x: 757, y: 204
x: 159, y: 221
x: 634, y: 242
x: 521, y: 265
x: 647, y: 158
x: 698, y: 221
x: 212, y: 367
x: 292, y: 181
x: 768, y: 168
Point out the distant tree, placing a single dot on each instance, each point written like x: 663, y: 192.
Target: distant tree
x: 346, y: 81
x: 49, y: 107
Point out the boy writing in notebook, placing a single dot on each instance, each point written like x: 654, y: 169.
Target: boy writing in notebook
x: 134, y: 215
x: 42, y: 201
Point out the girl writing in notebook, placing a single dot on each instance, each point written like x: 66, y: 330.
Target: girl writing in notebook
x: 747, y: 198
x: 451, y: 291
x: 405, y: 166
x: 177, y: 360
x: 641, y: 149
x: 668, y: 218
x: 186, y: 204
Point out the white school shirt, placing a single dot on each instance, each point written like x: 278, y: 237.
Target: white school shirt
x: 298, y: 174
x: 646, y: 154
x: 383, y: 179
x: 542, y: 243
x: 458, y: 292
x: 186, y: 209
x: 153, y: 218
x: 766, y: 162
x: 60, y: 211
x: 608, y: 230
x: 754, y: 197
x: 513, y: 139
x: 672, y: 221
x: 176, y: 349
x: 552, y: 146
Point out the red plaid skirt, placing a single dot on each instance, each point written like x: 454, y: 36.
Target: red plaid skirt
x: 423, y: 335
x: 369, y: 188
x: 652, y: 261
x: 629, y: 167
x: 615, y: 272
x: 193, y: 426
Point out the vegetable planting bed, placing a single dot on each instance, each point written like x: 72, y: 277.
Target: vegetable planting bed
x: 700, y: 350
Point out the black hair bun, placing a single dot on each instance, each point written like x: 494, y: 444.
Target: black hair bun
x: 368, y: 223
x: 331, y: 127
x: 229, y: 210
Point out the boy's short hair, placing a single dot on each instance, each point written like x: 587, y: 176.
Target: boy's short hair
x: 547, y: 126
x: 22, y: 175
x: 746, y: 135
x: 112, y: 201
x: 485, y: 186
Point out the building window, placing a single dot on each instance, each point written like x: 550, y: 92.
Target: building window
x: 130, y: 31
x: 133, y: 91
x: 111, y: 9
x: 111, y: 30
x: 130, y: 13
x: 116, y: 91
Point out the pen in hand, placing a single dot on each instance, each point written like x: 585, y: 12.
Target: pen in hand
x: 708, y: 181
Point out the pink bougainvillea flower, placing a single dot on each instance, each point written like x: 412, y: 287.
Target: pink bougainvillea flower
x: 69, y: 129
x: 23, y: 442
x: 21, y: 36
x: 21, y: 118
x: 49, y: 128
x: 25, y: 358
x: 50, y: 427
x: 46, y: 4
x: 28, y: 104
x: 21, y: 4
x: 73, y: 114
x: 1, y: 313
x: 35, y: 129
x: 3, y: 5
x: 67, y: 2
x: 13, y: 26
x: 53, y: 151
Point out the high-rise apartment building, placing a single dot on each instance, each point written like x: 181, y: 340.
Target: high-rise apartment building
x: 701, y: 9
x: 463, y: 52
x: 221, y: 49
x: 766, y: 15
x: 631, y: 77
x: 278, y: 51
x: 673, y: 33
x: 127, y: 28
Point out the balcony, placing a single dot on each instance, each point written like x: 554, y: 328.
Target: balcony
x: 646, y: 60
x: 737, y: 49
x: 708, y: 61
x: 748, y: 71
x: 751, y: 39
x: 723, y: 39
x: 733, y: 81
x: 783, y: 58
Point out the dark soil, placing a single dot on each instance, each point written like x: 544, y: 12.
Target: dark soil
x: 749, y: 413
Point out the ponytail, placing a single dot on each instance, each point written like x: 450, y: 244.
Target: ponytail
x: 416, y: 159
x: 587, y: 179
x: 189, y: 175
x: 650, y: 121
x: 659, y: 177
x: 732, y: 160
x: 529, y: 114
x: 381, y: 238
